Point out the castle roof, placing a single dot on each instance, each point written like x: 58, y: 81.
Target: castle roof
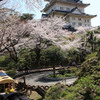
x: 70, y: 2
x: 71, y: 12
x: 74, y: 1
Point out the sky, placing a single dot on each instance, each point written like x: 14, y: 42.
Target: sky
x: 93, y: 9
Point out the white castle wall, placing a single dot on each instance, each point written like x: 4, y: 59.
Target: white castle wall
x: 64, y: 7
x: 74, y: 21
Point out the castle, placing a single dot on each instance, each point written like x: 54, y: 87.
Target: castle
x: 72, y: 10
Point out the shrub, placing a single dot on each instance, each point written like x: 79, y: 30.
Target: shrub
x: 97, y: 98
x: 3, y: 68
x: 61, y: 71
x: 3, y: 61
x: 11, y: 73
x: 91, y: 55
x: 54, y: 93
x: 73, y: 69
x: 68, y: 71
x: 88, y: 67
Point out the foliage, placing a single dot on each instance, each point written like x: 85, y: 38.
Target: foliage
x: 89, y: 67
x: 61, y: 71
x: 27, y: 58
x: 91, y: 55
x: 41, y: 35
x: 91, y: 39
x: 11, y: 73
x: 54, y: 57
x: 68, y: 70
x: 3, y: 62
x: 55, y: 92
x: 50, y: 30
x: 63, y: 76
x: 11, y: 31
x: 98, y: 55
x: 26, y: 16
x: 87, y: 87
x: 6, y: 62
x: 77, y: 56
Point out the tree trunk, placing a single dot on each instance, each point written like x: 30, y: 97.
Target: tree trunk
x: 37, y: 51
x: 92, y: 49
x: 98, y: 54
x: 13, y: 55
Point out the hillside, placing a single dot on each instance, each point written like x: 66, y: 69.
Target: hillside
x: 86, y: 87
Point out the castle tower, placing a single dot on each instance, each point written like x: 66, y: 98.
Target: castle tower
x: 72, y: 10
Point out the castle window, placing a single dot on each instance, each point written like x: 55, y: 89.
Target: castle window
x: 73, y: 18
x: 80, y: 24
x: 79, y: 19
x: 68, y: 9
x: 61, y: 8
x: 80, y: 9
x: 74, y: 23
x: 88, y: 21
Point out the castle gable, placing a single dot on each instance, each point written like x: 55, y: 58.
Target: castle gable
x: 76, y: 10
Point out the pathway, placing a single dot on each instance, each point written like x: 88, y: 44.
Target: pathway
x: 38, y: 79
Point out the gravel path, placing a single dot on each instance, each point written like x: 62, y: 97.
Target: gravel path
x: 38, y: 79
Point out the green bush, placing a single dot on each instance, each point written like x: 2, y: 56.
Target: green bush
x: 68, y: 71
x: 87, y: 86
x: 11, y: 73
x: 3, y: 61
x: 97, y: 31
x: 73, y: 69
x: 61, y: 71
x: 70, y: 74
x: 3, y: 68
x: 55, y: 92
x: 91, y: 55
x: 85, y: 89
x: 89, y: 67
x: 97, y: 98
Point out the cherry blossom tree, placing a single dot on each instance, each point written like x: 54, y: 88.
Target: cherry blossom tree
x: 48, y: 31
x: 30, y: 4
x: 11, y: 31
x: 51, y: 29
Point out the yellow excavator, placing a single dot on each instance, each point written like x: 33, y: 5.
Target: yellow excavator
x: 7, y: 87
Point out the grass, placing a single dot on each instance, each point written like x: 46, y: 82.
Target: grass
x: 63, y: 76
x: 62, y: 73
x: 35, y: 96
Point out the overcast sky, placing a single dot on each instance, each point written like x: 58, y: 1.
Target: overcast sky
x: 94, y: 9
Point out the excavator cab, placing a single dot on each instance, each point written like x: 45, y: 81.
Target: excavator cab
x: 7, y: 86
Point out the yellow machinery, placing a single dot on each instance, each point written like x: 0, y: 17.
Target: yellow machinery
x: 6, y: 82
